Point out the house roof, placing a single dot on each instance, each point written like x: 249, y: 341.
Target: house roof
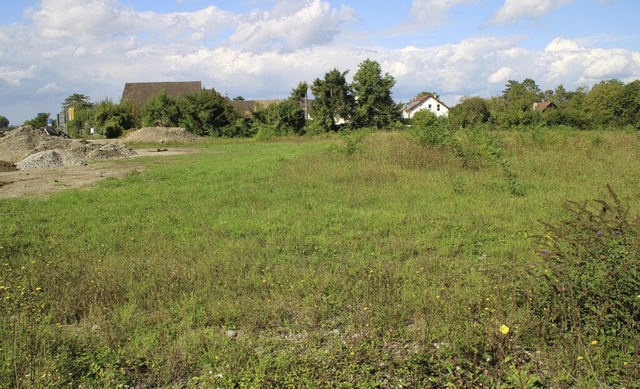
x: 417, y: 101
x: 244, y: 107
x: 140, y: 92
x: 544, y: 105
x: 247, y: 107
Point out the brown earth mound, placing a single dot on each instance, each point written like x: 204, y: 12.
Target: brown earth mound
x: 161, y: 135
x: 7, y: 166
x: 31, y: 148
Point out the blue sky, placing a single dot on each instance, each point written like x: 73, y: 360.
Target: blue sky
x: 50, y: 49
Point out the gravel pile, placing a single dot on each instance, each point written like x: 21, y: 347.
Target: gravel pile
x: 161, y: 135
x: 31, y: 148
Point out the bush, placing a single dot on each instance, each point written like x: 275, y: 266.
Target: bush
x: 352, y: 141
x: 588, y: 283
x: 477, y: 147
x: 430, y: 130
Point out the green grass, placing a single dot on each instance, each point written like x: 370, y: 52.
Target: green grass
x: 391, y: 266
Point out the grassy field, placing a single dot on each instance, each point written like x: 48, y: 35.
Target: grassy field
x: 313, y: 262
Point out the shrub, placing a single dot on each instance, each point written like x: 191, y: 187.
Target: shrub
x: 352, y: 141
x: 477, y: 146
x: 430, y: 130
x: 589, y: 279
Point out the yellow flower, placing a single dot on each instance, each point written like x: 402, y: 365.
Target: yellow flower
x: 580, y: 358
x: 594, y: 342
x: 504, y: 329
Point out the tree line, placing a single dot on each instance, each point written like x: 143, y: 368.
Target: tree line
x: 366, y: 102
x: 609, y: 104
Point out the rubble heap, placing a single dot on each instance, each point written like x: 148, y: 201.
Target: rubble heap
x: 32, y: 148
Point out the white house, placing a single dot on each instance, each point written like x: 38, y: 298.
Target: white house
x: 428, y: 102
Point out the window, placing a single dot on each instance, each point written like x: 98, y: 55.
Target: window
x: 438, y: 107
x: 429, y: 106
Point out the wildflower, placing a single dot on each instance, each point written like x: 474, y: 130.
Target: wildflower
x: 504, y: 329
x: 580, y: 358
x: 599, y: 233
x: 594, y: 342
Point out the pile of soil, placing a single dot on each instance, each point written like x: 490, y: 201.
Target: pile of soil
x: 161, y: 135
x: 31, y: 148
x: 7, y: 166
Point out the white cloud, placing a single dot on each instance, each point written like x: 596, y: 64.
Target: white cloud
x: 566, y: 59
x: 560, y: 45
x: 80, y: 20
x: 434, y: 12
x: 315, y: 23
x: 514, y: 10
x: 50, y: 88
x: 613, y: 65
x: 501, y: 76
x: 13, y: 75
x: 85, y: 20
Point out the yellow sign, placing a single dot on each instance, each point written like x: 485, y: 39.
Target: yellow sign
x: 72, y: 111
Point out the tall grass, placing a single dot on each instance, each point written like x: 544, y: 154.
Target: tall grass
x: 393, y: 266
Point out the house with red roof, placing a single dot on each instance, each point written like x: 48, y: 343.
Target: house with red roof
x: 428, y: 102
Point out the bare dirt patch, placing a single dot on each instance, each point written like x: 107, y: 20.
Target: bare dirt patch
x: 43, y: 182
x: 35, y: 164
x: 40, y: 183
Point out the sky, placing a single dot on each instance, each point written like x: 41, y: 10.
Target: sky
x: 261, y: 49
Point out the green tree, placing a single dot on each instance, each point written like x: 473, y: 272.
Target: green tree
x: 111, y: 119
x: 287, y: 117
x: 372, y: 92
x: 41, y: 120
x: 561, y: 96
x: 82, y: 121
x: 133, y: 111
x: 82, y: 113
x: 206, y: 112
x: 78, y: 101
x: 520, y: 97
x: 514, y: 107
x: 469, y: 112
x: 161, y: 111
x: 631, y: 104
x: 300, y: 92
x: 333, y: 102
x: 603, y: 105
x: 4, y: 122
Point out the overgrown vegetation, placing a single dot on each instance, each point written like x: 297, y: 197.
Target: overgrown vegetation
x: 379, y: 262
